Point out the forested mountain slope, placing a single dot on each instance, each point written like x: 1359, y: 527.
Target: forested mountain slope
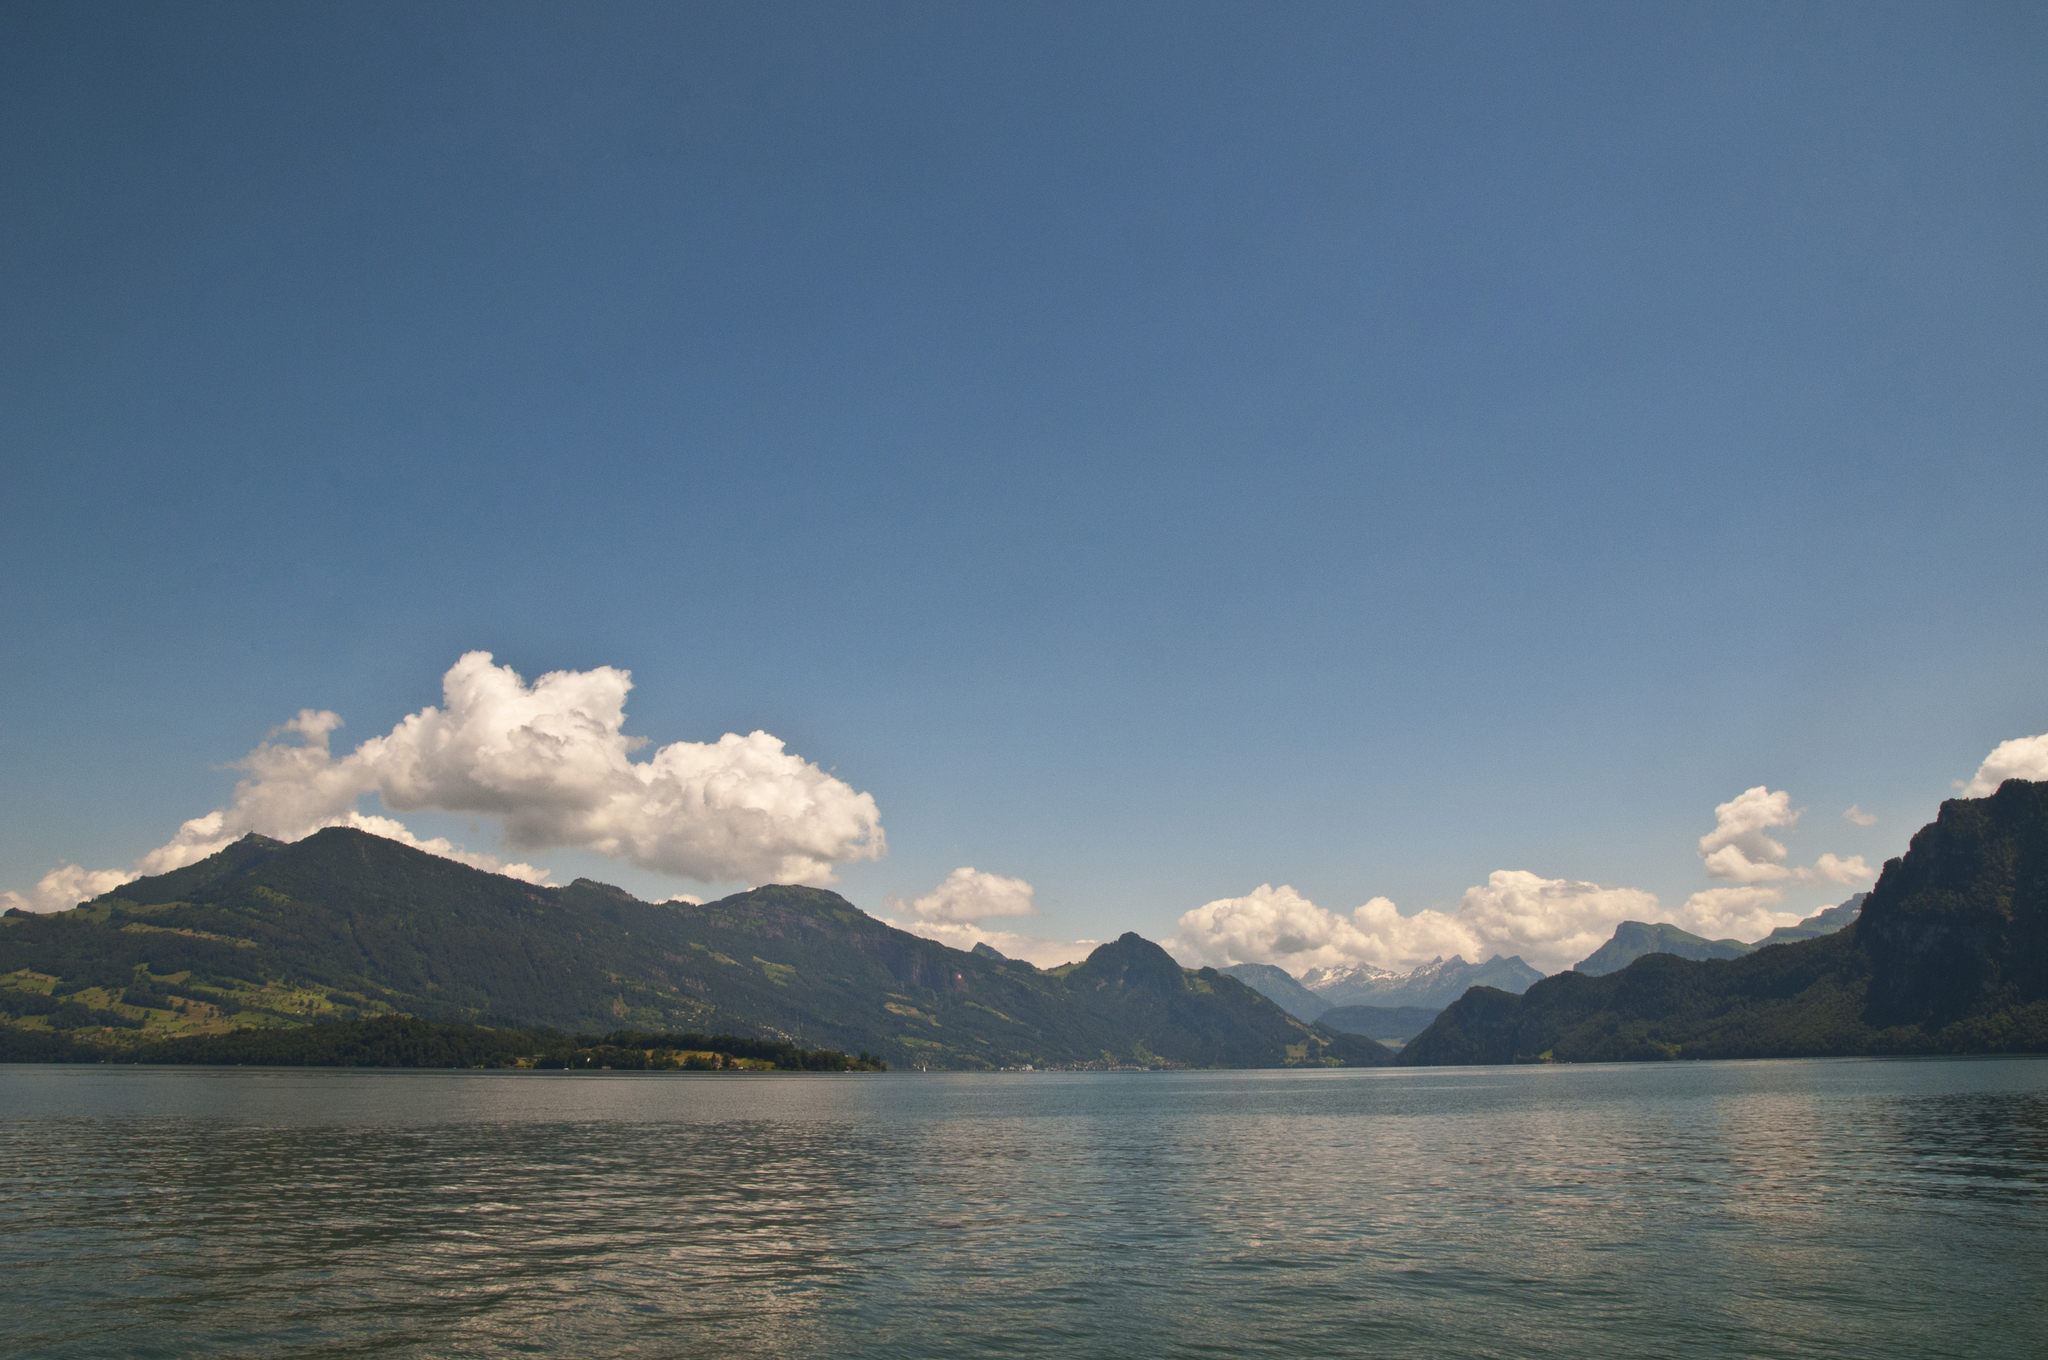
x: 344, y: 924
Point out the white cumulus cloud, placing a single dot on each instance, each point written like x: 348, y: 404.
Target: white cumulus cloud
x: 1737, y: 847
x: 1858, y: 817
x: 1550, y: 922
x: 2020, y: 758
x: 1832, y: 868
x: 952, y: 914
x: 552, y: 763
x: 1734, y: 913
x: 65, y: 887
x: 968, y: 894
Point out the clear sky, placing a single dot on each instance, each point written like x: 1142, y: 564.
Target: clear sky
x: 1154, y: 451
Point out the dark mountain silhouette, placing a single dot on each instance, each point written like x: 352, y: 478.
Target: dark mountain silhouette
x: 346, y: 925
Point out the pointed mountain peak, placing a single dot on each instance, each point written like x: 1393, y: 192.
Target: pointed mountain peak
x: 1130, y: 960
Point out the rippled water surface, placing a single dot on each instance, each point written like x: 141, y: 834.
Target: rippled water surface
x: 1754, y: 1209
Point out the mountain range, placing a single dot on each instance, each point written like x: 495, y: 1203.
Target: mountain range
x: 1633, y: 939
x: 1948, y: 955
x: 1435, y: 984
x: 345, y: 925
x: 1280, y: 987
x: 1375, y: 1002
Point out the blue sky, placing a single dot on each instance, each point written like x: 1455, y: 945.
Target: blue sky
x: 1154, y: 450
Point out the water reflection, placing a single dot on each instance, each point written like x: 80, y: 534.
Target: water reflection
x: 1738, y: 1209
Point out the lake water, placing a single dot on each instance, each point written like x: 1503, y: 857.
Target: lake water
x: 1858, y: 1209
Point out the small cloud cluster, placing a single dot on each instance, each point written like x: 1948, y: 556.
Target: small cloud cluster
x: 1740, y: 850
x: 952, y: 914
x: 967, y: 895
x: 552, y: 763
x: 1737, y: 849
x: 1550, y: 922
x: 2020, y: 758
x: 64, y: 887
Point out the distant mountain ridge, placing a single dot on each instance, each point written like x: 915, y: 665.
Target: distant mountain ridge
x: 344, y: 924
x: 1278, y: 986
x: 1431, y: 987
x: 1821, y: 923
x: 1633, y: 939
x: 1949, y: 955
x: 1435, y: 984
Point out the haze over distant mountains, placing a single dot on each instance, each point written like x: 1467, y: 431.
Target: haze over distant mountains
x: 1434, y: 985
x: 1375, y: 1002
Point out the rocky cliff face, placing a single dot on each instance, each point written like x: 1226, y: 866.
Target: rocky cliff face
x: 1959, y: 924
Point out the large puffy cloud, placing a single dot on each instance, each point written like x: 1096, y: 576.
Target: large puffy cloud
x: 1739, y: 849
x: 1550, y: 922
x: 2020, y: 758
x: 1275, y: 925
x: 952, y: 914
x: 552, y: 763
